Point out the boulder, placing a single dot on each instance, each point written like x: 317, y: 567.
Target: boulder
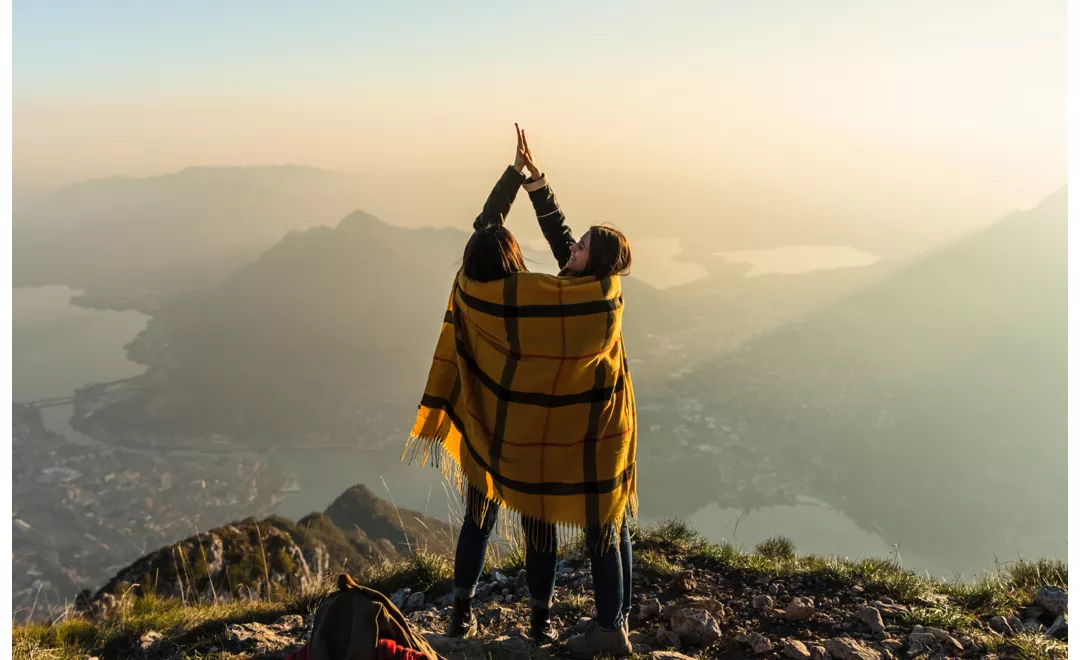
x: 695, y: 627
x: 799, y: 609
x: 795, y: 649
x: 1053, y: 599
x: 871, y: 616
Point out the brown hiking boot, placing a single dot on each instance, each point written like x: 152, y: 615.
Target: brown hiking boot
x: 598, y: 640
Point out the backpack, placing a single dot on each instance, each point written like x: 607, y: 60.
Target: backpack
x: 350, y: 622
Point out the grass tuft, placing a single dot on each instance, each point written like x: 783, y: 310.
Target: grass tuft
x: 777, y: 548
x: 674, y: 532
x: 656, y: 563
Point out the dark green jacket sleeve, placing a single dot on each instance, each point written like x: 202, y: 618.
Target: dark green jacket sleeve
x: 500, y: 200
x: 551, y: 219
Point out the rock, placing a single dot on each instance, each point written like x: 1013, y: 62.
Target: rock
x: 508, y: 648
x: 401, y: 596
x: 149, y: 639
x: 256, y: 638
x: 668, y: 655
x: 774, y: 589
x: 889, y: 610
x: 290, y: 622
x: 415, y: 602
x: 582, y: 623
x: 893, y: 644
x: 799, y: 609
x: 758, y: 643
x: 795, y: 649
x: 665, y: 637
x: 1053, y: 599
x: 1059, y: 629
x: 649, y: 609
x: 872, y: 617
x: 924, y: 640
x: 521, y: 581
x: 1033, y: 626
x: 817, y: 652
x: 455, y: 648
x: 763, y: 603
x: 696, y: 627
x: 843, y: 648
x: 999, y: 624
x: 499, y: 577
x: 640, y: 642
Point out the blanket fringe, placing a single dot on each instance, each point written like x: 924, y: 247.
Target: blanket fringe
x: 545, y: 535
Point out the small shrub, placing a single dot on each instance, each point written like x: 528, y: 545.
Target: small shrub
x: 675, y: 532
x: 947, y: 617
x: 777, y: 548
x: 722, y: 553
x: 1033, y: 575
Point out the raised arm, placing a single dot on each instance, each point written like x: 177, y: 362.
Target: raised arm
x: 548, y: 214
x: 502, y: 195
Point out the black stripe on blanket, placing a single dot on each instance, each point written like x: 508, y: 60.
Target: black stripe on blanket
x: 507, y: 380
x: 595, y: 487
x: 595, y: 395
x: 541, y: 311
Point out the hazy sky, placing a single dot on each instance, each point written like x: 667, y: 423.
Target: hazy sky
x: 957, y: 107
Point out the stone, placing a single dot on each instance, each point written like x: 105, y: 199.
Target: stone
x: 290, y: 621
x: 521, y: 581
x: 665, y: 637
x: 1033, y: 626
x: 871, y: 617
x: 1053, y: 599
x: 890, y: 610
x: 508, y: 648
x: 923, y: 639
x: 762, y: 603
x: 817, y: 652
x: 695, y: 627
x: 149, y: 639
x: 893, y: 644
x: 774, y: 589
x: 401, y: 596
x: 999, y: 624
x: 667, y: 655
x: 1059, y: 629
x: 640, y: 642
x: 843, y: 648
x: 456, y: 648
x: 795, y: 649
x: 799, y: 609
x: 256, y: 638
x: 758, y: 643
x: 415, y: 602
x: 649, y: 609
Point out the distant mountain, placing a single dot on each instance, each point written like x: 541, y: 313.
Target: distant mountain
x: 930, y: 406
x: 327, y: 334
x: 170, y: 233
x: 237, y: 559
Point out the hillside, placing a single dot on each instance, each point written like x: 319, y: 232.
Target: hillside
x: 949, y: 373
x: 691, y: 599
x: 119, y: 238
x: 327, y: 334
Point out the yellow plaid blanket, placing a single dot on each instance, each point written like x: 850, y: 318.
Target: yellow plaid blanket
x: 530, y: 395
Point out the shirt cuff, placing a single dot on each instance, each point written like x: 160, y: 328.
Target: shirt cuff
x: 530, y: 186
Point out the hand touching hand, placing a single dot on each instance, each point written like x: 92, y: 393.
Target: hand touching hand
x: 530, y: 162
x: 519, y: 153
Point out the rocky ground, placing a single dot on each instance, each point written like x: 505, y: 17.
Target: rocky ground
x: 690, y: 600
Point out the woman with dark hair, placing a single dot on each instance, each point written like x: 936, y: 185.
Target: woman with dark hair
x: 601, y: 252
x: 530, y: 397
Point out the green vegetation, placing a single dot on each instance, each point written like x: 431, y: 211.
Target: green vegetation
x: 665, y: 550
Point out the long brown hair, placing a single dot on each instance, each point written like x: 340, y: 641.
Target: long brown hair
x: 492, y: 253
x: 609, y: 252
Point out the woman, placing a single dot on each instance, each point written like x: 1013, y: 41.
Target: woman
x: 602, y: 252
x: 530, y: 397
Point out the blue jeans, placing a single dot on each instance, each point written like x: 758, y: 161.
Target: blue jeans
x: 472, y: 551
x: 612, y: 570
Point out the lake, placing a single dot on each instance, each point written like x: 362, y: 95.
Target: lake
x: 57, y: 347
